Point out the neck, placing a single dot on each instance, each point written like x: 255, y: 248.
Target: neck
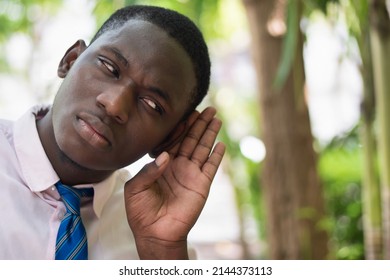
x: 70, y: 172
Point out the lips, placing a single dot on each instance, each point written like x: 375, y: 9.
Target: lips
x: 94, y: 131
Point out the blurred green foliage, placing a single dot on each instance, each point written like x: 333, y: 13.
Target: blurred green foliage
x: 244, y: 175
x: 20, y: 15
x: 340, y: 168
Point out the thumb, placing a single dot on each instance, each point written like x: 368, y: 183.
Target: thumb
x: 149, y: 173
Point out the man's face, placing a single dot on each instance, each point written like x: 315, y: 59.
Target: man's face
x: 122, y: 97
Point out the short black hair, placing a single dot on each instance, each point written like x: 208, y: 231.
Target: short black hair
x: 180, y: 28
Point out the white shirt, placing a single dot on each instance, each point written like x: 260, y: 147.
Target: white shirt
x: 31, y: 209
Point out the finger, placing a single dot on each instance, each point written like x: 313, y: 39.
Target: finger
x: 211, y: 166
x: 196, y: 132
x: 148, y: 174
x: 206, y: 143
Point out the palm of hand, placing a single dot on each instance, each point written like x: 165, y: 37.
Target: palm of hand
x: 167, y: 197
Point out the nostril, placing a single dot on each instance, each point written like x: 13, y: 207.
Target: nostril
x: 100, y: 103
x: 119, y: 119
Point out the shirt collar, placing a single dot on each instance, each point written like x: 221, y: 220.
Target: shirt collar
x: 105, y: 189
x: 37, y: 169
x: 35, y: 165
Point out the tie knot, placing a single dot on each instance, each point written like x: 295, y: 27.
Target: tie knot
x: 71, y: 196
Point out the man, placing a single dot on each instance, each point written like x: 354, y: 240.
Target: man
x: 132, y: 91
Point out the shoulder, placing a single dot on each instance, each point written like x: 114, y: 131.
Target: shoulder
x: 6, y: 136
x: 6, y: 128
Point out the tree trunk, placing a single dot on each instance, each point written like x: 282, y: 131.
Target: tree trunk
x: 292, y: 187
x: 372, y: 206
x: 380, y: 44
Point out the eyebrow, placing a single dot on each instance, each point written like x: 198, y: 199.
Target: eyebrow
x: 160, y: 93
x: 118, y: 55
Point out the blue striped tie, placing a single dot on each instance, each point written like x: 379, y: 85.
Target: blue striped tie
x: 72, y: 238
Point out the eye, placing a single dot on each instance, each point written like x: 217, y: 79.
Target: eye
x: 153, y: 105
x: 109, y: 67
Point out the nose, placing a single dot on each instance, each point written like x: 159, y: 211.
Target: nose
x: 116, y: 102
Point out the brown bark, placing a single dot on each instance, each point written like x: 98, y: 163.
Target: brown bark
x: 291, y: 183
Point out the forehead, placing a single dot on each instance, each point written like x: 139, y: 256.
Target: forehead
x: 136, y: 29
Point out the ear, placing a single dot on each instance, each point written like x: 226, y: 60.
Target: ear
x: 171, y: 140
x: 176, y: 136
x: 70, y: 57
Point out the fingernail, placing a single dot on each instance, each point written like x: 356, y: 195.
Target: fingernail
x: 161, y: 159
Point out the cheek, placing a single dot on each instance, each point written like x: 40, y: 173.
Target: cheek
x: 79, y: 82
x: 141, y: 141
x: 63, y: 133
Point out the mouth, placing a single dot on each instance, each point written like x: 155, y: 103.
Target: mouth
x: 94, y: 131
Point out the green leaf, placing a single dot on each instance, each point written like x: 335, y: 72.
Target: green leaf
x: 289, y: 44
